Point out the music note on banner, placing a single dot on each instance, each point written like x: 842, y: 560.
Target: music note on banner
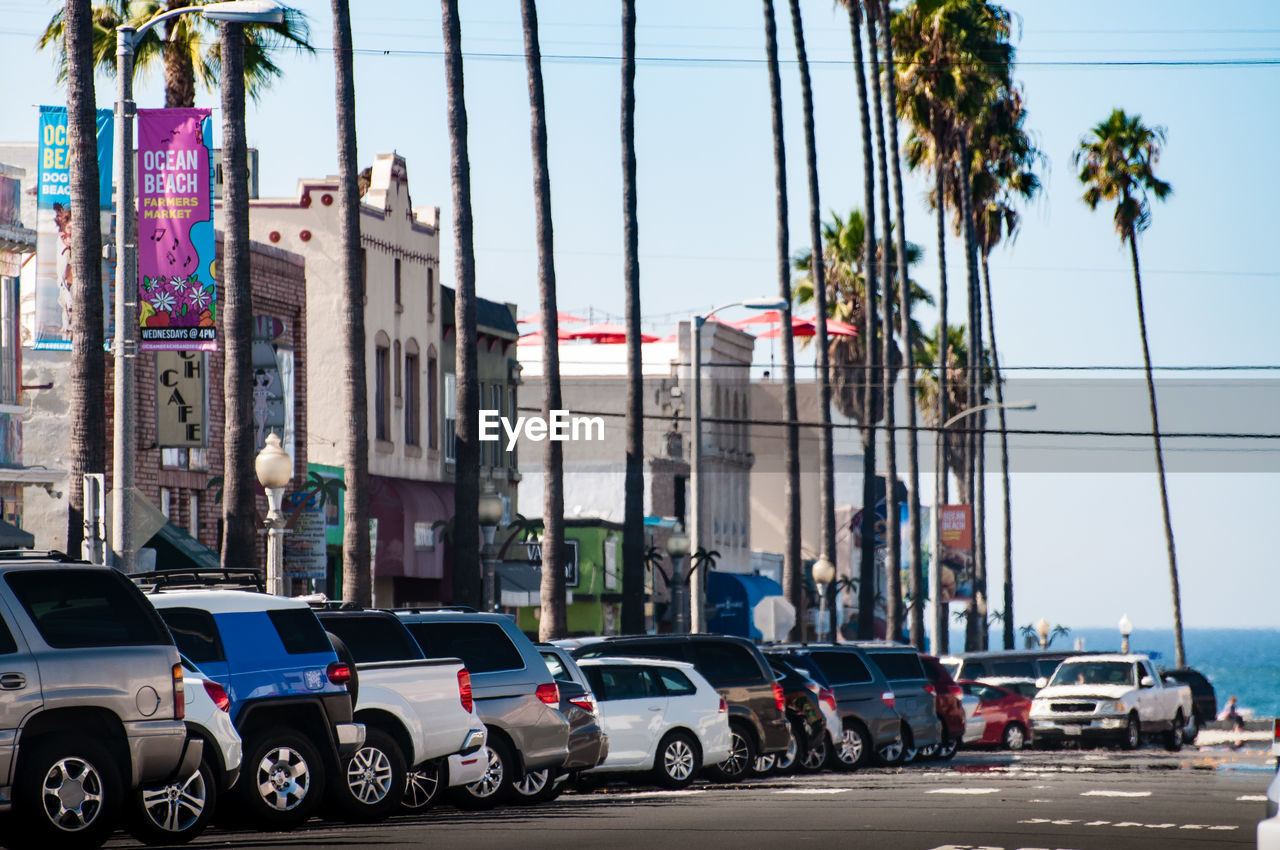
x: 156, y: 237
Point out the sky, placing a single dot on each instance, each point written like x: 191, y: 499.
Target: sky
x: 1088, y: 545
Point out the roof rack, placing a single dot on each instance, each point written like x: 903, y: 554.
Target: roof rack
x: 38, y: 555
x: 234, y: 579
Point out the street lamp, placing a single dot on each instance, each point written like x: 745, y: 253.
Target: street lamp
x: 678, y: 550
x: 1042, y: 629
x: 125, y: 350
x: 695, y: 458
x: 1126, y: 629
x: 1008, y: 405
x: 490, y: 515
x: 275, y: 469
x: 823, y: 572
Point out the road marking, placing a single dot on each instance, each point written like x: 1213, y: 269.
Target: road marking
x: 1252, y: 798
x: 1115, y: 793
x: 813, y: 791
x: 963, y: 791
x: 1125, y: 824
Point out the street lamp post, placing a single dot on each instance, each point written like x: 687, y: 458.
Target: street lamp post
x: 124, y: 440
x: 823, y: 572
x: 490, y: 515
x: 1126, y: 629
x: 678, y: 550
x: 1042, y: 629
x: 275, y: 469
x: 935, y: 536
x: 695, y: 452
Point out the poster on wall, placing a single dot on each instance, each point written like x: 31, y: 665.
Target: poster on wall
x: 177, y: 293
x: 955, y: 559
x: 304, y: 547
x: 54, y: 306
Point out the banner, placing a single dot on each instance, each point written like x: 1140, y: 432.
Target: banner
x: 53, y: 302
x: 182, y: 392
x: 955, y: 531
x: 177, y: 294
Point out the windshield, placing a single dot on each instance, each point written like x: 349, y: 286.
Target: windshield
x: 1093, y: 673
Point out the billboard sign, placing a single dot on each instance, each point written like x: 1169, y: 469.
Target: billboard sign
x: 955, y: 531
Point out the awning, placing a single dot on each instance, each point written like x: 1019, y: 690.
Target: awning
x: 733, y: 596
x: 400, y: 505
x: 175, y: 549
x: 12, y: 537
x: 520, y: 586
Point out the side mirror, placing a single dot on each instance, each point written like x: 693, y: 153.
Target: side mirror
x: 1042, y: 683
x: 1147, y: 682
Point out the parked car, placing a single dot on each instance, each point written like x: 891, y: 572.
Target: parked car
x: 946, y: 697
x: 1030, y: 664
x: 864, y: 699
x: 975, y: 724
x: 810, y: 707
x: 738, y: 670
x: 177, y: 812
x: 288, y: 690
x: 1007, y: 714
x: 1269, y: 829
x: 415, y: 710
x: 588, y: 743
x: 1204, y: 702
x: 913, y: 700
x: 514, y: 692
x: 662, y: 718
x: 92, y: 699
x: 1026, y: 687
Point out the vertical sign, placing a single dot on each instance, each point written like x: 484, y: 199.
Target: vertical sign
x: 177, y: 295
x: 181, y: 396
x: 54, y: 306
x: 955, y: 560
x: 304, y: 549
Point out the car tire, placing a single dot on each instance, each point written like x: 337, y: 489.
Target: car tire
x: 853, y: 749
x: 495, y: 786
x: 742, y: 756
x: 677, y: 761
x: 1191, y: 730
x: 175, y: 813
x: 372, y: 780
x: 815, y: 757
x: 282, y: 779
x: 785, y: 762
x: 947, y: 747
x: 1173, y: 738
x: 44, y: 770
x: 891, y: 754
x: 1014, y: 737
x: 422, y: 787
x: 536, y: 786
x: 1132, y: 734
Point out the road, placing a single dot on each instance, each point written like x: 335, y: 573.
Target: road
x: 1092, y: 800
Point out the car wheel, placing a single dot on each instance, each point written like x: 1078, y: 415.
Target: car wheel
x: 785, y: 761
x: 175, y: 813
x: 742, y: 755
x: 282, y: 779
x: 1191, y: 730
x: 947, y: 748
x: 815, y: 756
x: 1014, y: 737
x: 1173, y: 738
x: 1132, y: 734
x: 373, y: 779
x: 422, y: 788
x: 853, y: 748
x: 891, y: 754
x: 67, y: 793
x: 536, y: 786
x: 677, y: 761
x: 495, y: 786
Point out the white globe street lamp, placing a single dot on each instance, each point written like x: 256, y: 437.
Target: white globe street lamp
x: 274, y: 469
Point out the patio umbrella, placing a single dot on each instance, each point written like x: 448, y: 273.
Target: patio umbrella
x: 607, y: 333
x: 536, y: 337
x: 536, y: 318
x: 764, y: 317
x: 774, y: 616
x: 806, y: 327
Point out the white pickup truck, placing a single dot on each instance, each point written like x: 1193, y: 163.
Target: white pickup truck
x: 417, y: 711
x: 1093, y: 698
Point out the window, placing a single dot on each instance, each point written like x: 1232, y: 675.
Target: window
x: 381, y: 394
x: 898, y: 666
x: 300, y: 631
x: 424, y: 537
x: 433, y: 427
x: 193, y: 515
x: 726, y: 663
x: 431, y: 290
x: 675, y: 683
x: 196, y: 459
x: 622, y: 682
x: 8, y: 645
x: 74, y: 608
x: 841, y: 668
x: 364, y: 273
x: 1013, y: 668
x: 195, y: 633
x: 396, y: 285
x: 412, y: 394
x: 450, y: 414
x: 495, y: 399
x: 644, y: 649
x: 166, y: 503
x: 373, y: 639
x: 398, y: 382
x: 483, y: 647
x: 558, y: 671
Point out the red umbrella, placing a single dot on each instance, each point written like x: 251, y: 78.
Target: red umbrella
x: 536, y: 318
x: 607, y: 333
x: 535, y: 338
x: 806, y: 327
x: 765, y: 317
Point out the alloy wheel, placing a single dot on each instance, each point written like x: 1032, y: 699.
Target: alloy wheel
x: 892, y: 752
x: 678, y: 759
x: 421, y: 788
x: 739, y: 752
x: 283, y: 778
x: 72, y: 794
x: 533, y: 782
x: 176, y: 807
x: 851, y: 746
x: 369, y: 775
x: 488, y: 785
x: 1014, y: 737
x: 816, y: 756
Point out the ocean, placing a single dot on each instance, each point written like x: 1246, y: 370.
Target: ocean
x: 1240, y: 662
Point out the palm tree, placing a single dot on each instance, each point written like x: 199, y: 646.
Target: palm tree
x: 633, y: 485
x: 356, y: 579
x: 552, y: 625
x: 88, y: 373
x: 792, y: 579
x: 188, y: 48
x: 466, y: 563
x: 1117, y: 161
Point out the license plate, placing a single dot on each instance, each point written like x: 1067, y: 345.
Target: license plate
x: 1071, y: 730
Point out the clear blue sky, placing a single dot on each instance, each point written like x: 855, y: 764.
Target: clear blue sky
x: 1088, y: 547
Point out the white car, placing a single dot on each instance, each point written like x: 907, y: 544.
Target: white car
x: 178, y: 812
x: 661, y: 717
x: 975, y: 725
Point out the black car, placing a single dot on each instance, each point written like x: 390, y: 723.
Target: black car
x: 737, y: 669
x: 1204, y: 702
x: 808, y: 748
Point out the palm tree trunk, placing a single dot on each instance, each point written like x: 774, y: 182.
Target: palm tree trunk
x: 792, y: 579
x: 179, y: 73
x: 88, y: 371
x: 633, y: 485
x: 238, y: 495
x: 893, y: 559
x: 466, y: 538
x: 915, y: 585
x: 1007, y: 614
x: 977, y: 606
x: 941, y: 635
x: 867, y: 563
x: 1179, y: 650
x: 552, y: 625
x: 356, y: 578
x: 826, y: 461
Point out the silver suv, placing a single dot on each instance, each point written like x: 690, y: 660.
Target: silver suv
x: 91, y: 698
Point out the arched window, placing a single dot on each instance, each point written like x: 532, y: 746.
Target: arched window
x: 382, y: 387
x: 433, y: 412
x: 412, y: 395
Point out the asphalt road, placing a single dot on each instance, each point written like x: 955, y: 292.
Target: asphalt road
x: 1093, y: 800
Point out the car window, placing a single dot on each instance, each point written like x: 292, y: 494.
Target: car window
x: 300, y: 631
x: 484, y: 647
x: 622, y: 682
x: 558, y: 671
x: 842, y: 668
x: 1046, y: 666
x: 1016, y: 667
x: 7, y: 644
x: 373, y: 639
x: 75, y: 608
x: 1094, y: 673
x: 726, y: 663
x: 195, y: 633
x: 674, y: 682
x: 898, y: 666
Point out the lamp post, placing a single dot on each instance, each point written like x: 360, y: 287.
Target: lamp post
x: 125, y: 350
x: 695, y: 456
x: 935, y: 535
x: 678, y: 550
x: 1042, y: 629
x: 490, y: 515
x: 1126, y: 629
x: 823, y: 572
x: 275, y: 469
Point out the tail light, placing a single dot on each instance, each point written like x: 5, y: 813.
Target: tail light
x: 1275, y: 741
x: 584, y: 702
x: 338, y: 673
x: 724, y: 707
x: 218, y: 695
x: 888, y: 698
x: 827, y: 697
x: 931, y: 690
x: 549, y: 693
x: 179, y: 694
x: 779, y: 698
x: 464, y: 689
x: 955, y: 690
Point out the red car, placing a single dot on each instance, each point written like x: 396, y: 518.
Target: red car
x: 946, y: 698
x: 1006, y: 713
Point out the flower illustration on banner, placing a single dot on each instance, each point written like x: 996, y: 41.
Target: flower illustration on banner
x: 200, y: 298
x: 178, y: 284
x: 163, y: 302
